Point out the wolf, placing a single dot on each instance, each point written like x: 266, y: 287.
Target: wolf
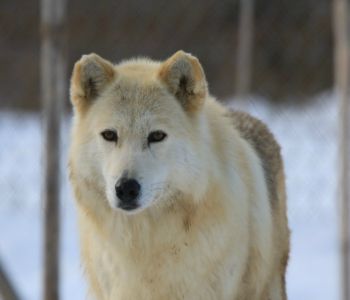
x: 177, y: 196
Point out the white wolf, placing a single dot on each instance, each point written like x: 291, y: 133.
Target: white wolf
x: 177, y: 197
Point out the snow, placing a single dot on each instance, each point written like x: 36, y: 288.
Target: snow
x: 308, y: 136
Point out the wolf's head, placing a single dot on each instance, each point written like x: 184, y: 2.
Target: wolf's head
x: 136, y: 129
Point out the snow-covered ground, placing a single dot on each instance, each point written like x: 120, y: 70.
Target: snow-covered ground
x: 308, y: 136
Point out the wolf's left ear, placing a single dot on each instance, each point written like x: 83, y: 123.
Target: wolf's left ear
x: 184, y: 77
x: 90, y: 77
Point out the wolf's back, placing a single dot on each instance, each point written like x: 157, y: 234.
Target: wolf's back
x: 257, y: 134
x: 262, y: 140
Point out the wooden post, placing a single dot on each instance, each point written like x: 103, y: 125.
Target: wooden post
x: 342, y: 87
x: 53, y: 93
x: 7, y: 290
x: 245, y: 48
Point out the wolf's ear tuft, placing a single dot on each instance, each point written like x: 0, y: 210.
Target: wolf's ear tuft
x: 91, y: 75
x: 184, y: 77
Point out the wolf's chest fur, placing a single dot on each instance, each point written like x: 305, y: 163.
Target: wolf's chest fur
x: 163, y: 259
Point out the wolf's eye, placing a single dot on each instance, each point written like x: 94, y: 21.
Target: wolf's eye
x: 156, y: 136
x: 109, y: 135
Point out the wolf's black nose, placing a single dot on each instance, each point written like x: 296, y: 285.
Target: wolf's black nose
x: 127, y: 191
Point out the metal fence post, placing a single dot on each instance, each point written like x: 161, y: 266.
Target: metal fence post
x: 53, y: 93
x: 245, y: 47
x: 342, y: 86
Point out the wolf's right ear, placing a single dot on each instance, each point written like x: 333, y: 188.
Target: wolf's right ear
x: 91, y: 74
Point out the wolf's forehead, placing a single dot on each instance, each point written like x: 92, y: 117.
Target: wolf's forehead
x: 135, y: 103
x: 136, y: 91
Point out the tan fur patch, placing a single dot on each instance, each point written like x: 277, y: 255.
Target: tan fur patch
x: 264, y: 143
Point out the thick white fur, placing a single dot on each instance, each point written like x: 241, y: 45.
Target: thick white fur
x: 205, y: 228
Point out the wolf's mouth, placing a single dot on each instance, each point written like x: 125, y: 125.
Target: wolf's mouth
x: 128, y: 206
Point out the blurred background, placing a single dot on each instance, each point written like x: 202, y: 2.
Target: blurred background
x: 274, y: 59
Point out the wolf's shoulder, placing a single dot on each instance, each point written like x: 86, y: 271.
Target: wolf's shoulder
x: 259, y: 136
